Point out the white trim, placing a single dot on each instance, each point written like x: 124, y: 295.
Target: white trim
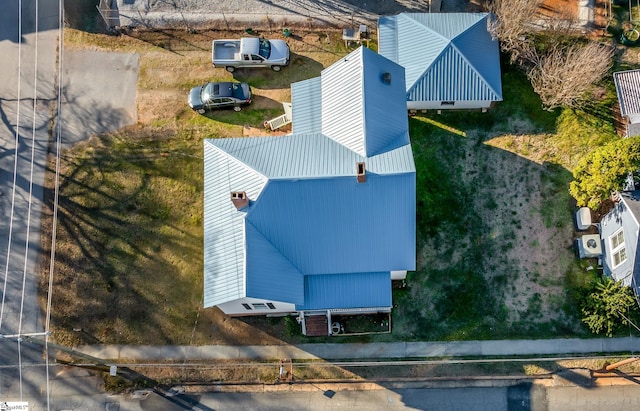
x: 360, y: 310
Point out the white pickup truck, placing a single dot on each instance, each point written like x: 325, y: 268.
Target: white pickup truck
x: 250, y: 52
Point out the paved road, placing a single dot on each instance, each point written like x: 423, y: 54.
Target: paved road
x: 27, y: 97
x: 517, y: 397
x: 28, y: 46
x: 522, y: 397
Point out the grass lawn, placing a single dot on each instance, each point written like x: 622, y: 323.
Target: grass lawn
x: 495, y: 226
x: 495, y: 256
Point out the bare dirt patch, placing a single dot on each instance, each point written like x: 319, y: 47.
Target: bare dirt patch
x: 535, y: 252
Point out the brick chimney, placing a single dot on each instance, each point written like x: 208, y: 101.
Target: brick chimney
x: 239, y: 199
x: 361, y: 172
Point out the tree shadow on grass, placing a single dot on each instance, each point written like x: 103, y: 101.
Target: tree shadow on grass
x: 121, y: 243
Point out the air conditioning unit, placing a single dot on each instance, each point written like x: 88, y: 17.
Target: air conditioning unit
x: 589, y: 246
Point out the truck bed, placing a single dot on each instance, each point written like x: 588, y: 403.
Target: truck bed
x: 226, y: 50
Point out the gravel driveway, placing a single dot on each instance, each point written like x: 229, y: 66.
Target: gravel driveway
x: 267, y: 13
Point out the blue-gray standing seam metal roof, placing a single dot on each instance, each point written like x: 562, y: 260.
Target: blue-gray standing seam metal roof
x: 356, y: 290
x: 628, y: 90
x: 224, y: 225
x: 447, y: 56
x: 305, y: 184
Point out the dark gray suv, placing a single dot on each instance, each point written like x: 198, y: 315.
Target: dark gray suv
x: 219, y: 95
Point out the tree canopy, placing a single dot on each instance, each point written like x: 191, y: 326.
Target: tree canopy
x: 512, y: 25
x: 604, y: 170
x: 606, y: 308
x: 563, y: 68
x: 564, y: 75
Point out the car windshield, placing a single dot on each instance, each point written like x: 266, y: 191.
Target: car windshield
x: 208, y: 91
x: 265, y: 48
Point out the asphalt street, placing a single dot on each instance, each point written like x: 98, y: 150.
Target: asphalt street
x: 28, y: 43
x: 519, y: 397
x: 28, y: 46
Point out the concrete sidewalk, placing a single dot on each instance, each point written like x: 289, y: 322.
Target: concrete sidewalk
x: 368, y: 351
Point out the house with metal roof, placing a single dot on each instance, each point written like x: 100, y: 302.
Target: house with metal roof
x: 451, y: 60
x: 619, y: 236
x: 321, y: 220
x: 628, y: 90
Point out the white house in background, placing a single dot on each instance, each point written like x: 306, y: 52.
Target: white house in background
x: 619, y: 232
x: 319, y: 221
x: 628, y: 90
x: 450, y: 59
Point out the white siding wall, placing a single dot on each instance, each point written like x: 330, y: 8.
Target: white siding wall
x: 436, y: 105
x: 399, y: 275
x: 619, y: 218
x: 235, y: 308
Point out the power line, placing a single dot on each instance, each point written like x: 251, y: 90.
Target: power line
x: 58, y: 145
x: 15, y: 165
x: 30, y: 201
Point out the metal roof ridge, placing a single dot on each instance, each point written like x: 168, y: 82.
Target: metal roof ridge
x: 626, y: 71
x: 247, y: 221
x: 484, y: 80
x: 429, y: 29
x: 230, y: 156
x: 230, y: 153
x: 454, y: 45
x: 424, y: 73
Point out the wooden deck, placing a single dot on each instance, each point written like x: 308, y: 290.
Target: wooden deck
x: 316, y: 325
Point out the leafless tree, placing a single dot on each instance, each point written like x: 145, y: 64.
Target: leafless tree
x: 564, y: 75
x: 513, y: 21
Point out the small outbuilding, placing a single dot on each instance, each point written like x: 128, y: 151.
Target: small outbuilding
x: 451, y: 59
x: 628, y: 90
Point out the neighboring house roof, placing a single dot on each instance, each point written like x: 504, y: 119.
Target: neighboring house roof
x: 624, y: 216
x: 308, y: 216
x: 628, y: 90
x: 447, y: 56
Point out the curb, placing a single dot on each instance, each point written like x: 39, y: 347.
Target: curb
x: 372, y: 385
x: 544, y: 381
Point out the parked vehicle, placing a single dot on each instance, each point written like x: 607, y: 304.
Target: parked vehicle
x: 250, y: 52
x: 211, y: 96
